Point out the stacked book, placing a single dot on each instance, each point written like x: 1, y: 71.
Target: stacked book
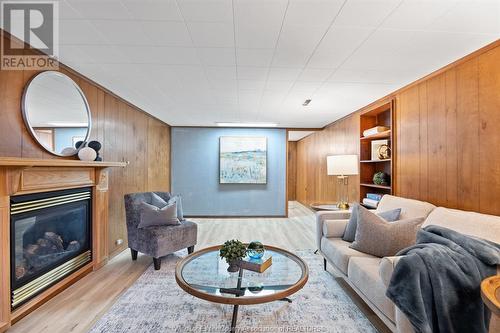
x: 375, y: 130
x: 257, y: 265
x: 372, y: 200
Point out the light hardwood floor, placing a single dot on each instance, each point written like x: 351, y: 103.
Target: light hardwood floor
x: 79, y: 306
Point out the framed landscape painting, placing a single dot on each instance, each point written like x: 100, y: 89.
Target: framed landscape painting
x: 242, y: 160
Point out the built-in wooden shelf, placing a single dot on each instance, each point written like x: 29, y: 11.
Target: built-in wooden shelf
x: 381, y: 135
x: 35, y: 162
x: 375, y: 161
x: 386, y: 187
x: 380, y: 115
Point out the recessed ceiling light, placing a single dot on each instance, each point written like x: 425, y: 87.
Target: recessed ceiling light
x: 247, y: 124
x: 306, y: 102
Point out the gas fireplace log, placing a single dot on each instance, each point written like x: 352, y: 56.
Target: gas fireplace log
x: 46, y: 247
x: 55, y: 239
x: 21, y: 270
x: 73, y: 246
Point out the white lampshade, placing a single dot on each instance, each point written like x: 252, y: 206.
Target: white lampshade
x: 342, y: 165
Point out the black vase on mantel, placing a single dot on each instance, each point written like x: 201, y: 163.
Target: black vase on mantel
x: 96, y: 145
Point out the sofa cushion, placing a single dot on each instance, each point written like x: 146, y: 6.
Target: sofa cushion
x: 339, y: 253
x: 409, y: 208
x: 468, y: 223
x: 334, y: 228
x: 377, y: 237
x: 386, y: 268
x: 364, y: 274
x: 154, y: 216
x: 350, y: 230
x: 157, y: 201
x: 177, y: 199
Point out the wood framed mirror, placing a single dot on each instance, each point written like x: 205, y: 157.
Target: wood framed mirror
x: 56, y: 113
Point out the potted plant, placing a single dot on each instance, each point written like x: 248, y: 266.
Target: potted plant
x: 233, y: 251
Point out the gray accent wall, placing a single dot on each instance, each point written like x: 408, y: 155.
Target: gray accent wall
x: 195, y: 174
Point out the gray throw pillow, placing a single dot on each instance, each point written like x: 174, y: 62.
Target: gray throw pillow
x: 377, y: 237
x: 178, y: 200
x: 350, y: 230
x: 154, y: 216
x: 157, y: 201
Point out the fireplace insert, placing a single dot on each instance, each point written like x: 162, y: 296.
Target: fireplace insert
x: 50, y: 239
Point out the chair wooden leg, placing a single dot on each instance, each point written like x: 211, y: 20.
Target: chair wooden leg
x: 191, y: 249
x: 157, y: 263
x: 134, y: 254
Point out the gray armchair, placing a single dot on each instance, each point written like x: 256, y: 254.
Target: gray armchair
x: 157, y: 241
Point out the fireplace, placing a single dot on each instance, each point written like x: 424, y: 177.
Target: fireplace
x: 50, y: 239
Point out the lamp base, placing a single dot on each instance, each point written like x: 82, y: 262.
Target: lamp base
x: 343, y: 205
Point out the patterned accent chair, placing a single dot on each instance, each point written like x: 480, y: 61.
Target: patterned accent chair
x: 157, y: 241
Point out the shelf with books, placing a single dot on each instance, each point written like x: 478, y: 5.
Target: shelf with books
x: 372, y: 158
x: 381, y: 135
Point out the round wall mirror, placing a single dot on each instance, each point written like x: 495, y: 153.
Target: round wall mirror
x: 56, y: 113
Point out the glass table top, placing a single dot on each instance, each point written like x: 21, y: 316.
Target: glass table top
x: 207, y: 273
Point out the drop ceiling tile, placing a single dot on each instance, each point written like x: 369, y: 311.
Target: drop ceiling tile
x: 338, y: 44
x: 121, y: 32
x: 248, y: 12
x: 207, y: 10
x: 252, y: 73
x: 209, y: 34
x: 300, y: 38
x: 371, y: 76
x: 257, y: 36
x: 317, y: 13
x: 163, y: 55
x: 251, y: 85
x: 217, y: 56
x: 101, y: 54
x: 254, y: 57
x: 283, y: 74
x: 305, y: 87
x: 286, y: 58
x: 167, y: 33
x: 99, y: 9
x: 417, y: 14
x: 162, y: 10
x: 314, y: 74
x: 221, y: 73
x: 482, y: 17
x: 366, y: 12
x: 79, y: 32
x: 281, y: 86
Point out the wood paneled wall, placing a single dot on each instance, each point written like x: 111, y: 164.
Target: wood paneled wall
x: 292, y: 170
x: 447, y: 139
x: 313, y: 184
x: 126, y: 132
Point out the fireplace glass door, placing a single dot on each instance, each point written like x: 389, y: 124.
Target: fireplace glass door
x: 50, y: 238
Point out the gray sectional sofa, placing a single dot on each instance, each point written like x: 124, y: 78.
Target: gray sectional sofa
x: 368, y: 275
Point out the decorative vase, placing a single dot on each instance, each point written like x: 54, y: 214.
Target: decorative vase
x: 96, y: 145
x: 87, y: 154
x: 381, y: 178
x: 233, y: 266
x: 255, y: 250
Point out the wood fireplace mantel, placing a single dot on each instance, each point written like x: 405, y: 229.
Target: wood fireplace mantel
x: 23, y: 176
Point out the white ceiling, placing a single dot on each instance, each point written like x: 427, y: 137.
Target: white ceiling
x: 197, y: 62
x: 298, y: 135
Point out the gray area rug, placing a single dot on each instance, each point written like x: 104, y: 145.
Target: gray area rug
x: 155, y: 303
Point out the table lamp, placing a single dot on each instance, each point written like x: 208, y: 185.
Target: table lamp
x: 342, y: 166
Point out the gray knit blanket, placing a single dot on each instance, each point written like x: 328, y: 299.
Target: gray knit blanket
x: 437, y: 282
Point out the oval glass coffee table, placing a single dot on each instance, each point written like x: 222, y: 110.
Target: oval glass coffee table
x: 204, y: 274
